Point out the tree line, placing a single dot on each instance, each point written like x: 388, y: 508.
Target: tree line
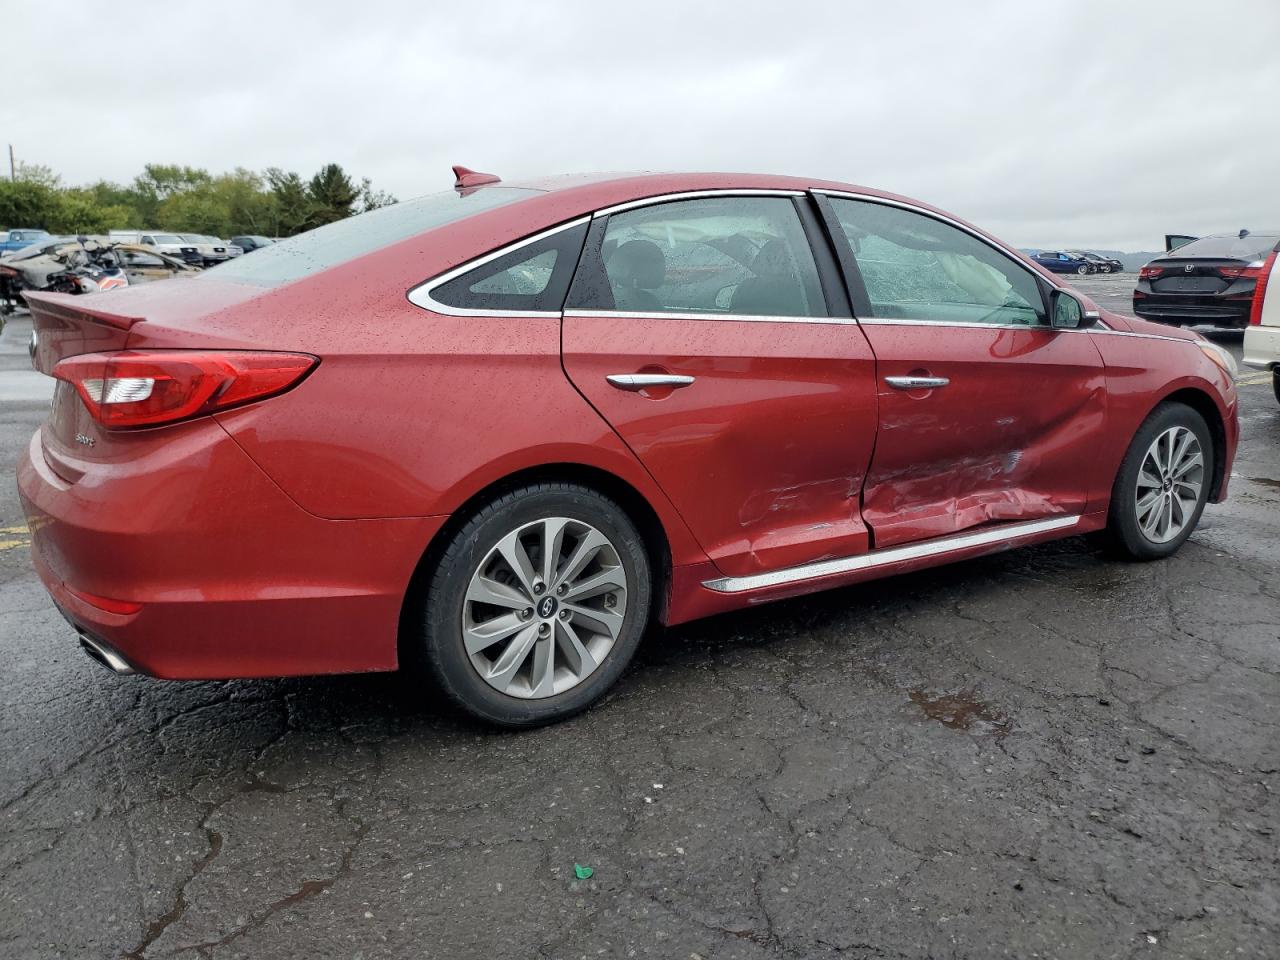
x: 182, y: 199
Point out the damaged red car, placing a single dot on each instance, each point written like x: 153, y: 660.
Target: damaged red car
x: 500, y: 431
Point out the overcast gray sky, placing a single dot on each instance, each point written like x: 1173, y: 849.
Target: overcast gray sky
x: 1076, y: 123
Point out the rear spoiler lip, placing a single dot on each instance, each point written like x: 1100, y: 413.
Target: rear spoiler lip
x: 66, y: 306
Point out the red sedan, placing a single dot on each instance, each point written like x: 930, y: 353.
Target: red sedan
x: 500, y: 430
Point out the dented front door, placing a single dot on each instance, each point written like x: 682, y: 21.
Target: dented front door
x: 1005, y: 433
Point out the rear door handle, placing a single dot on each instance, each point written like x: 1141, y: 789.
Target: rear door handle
x: 642, y: 381
x: 916, y: 383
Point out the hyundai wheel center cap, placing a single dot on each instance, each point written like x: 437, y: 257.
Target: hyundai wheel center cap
x: 547, y: 607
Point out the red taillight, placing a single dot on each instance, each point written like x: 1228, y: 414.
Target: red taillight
x: 1147, y: 272
x: 146, y: 388
x: 1253, y: 270
x: 1260, y: 290
x: 122, y: 607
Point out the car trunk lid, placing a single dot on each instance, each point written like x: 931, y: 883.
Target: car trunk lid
x: 69, y: 326
x: 1196, y: 276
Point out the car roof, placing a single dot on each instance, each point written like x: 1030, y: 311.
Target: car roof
x: 596, y: 190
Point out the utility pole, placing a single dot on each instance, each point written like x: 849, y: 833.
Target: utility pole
x: 13, y: 167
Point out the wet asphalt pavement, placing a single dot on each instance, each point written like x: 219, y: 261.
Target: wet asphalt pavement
x: 1044, y: 753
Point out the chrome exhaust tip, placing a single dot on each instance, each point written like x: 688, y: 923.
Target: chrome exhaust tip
x: 99, y: 652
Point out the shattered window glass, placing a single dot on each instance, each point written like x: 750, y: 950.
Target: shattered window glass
x: 918, y: 268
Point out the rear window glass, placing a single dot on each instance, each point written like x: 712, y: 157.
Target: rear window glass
x: 288, y: 260
x: 1256, y: 246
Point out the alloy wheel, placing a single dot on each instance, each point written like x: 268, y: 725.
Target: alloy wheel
x: 1170, y: 480
x: 544, y: 608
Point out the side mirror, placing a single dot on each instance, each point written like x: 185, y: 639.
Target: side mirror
x: 1069, y: 313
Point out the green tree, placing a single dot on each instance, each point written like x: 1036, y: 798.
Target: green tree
x: 371, y: 199
x: 333, y: 195
x: 291, y: 204
x: 26, y: 203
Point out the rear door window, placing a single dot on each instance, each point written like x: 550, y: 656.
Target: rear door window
x: 745, y: 256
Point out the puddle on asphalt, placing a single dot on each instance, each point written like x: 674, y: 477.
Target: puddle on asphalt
x: 961, y: 711
x: 1265, y: 481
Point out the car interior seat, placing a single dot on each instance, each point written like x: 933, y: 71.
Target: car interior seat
x: 636, y: 268
x: 774, y: 290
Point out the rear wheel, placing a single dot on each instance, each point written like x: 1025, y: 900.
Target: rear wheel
x: 1163, y: 484
x: 537, y: 605
x: 1082, y: 269
x: 1275, y: 383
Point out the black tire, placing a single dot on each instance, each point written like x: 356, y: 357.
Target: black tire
x: 1082, y: 270
x: 1105, y: 268
x: 1124, y: 532
x: 1275, y: 383
x: 441, y: 640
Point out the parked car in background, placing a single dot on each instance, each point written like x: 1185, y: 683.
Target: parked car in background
x: 1099, y: 263
x: 624, y: 391
x: 250, y: 243
x: 1262, y: 335
x: 13, y: 240
x: 1211, y: 280
x: 170, y: 244
x: 1060, y: 262
x: 69, y: 263
x: 212, y: 250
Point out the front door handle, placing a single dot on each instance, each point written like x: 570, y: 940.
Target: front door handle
x: 643, y: 381
x: 916, y: 383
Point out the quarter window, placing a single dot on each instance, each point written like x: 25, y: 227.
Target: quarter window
x: 531, y: 278
x: 717, y: 255
x: 918, y: 268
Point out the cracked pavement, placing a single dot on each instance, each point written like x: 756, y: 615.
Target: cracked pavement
x: 1043, y: 753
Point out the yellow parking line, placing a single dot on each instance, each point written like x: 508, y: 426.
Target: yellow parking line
x: 1253, y: 380
x: 21, y: 529
x: 13, y: 544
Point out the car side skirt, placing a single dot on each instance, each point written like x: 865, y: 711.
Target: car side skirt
x: 697, y: 591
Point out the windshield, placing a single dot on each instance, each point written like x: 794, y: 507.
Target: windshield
x: 1255, y: 246
x: 296, y: 257
x: 194, y: 238
x: 166, y: 238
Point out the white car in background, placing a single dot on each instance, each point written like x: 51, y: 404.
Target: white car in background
x: 1262, y: 335
x: 171, y: 244
x: 212, y: 250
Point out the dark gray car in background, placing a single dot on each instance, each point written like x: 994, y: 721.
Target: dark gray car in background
x: 1206, y: 281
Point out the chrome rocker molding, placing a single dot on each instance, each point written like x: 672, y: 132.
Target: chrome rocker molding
x: 881, y: 558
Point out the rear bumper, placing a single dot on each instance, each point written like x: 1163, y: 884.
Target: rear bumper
x: 211, y: 571
x: 1182, y: 310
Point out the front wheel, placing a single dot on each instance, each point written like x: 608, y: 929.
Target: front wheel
x: 1275, y: 383
x: 1163, y: 484
x: 537, y: 605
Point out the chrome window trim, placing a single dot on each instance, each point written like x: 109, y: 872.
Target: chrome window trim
x: 880, y: 558
x: 975, y: 325
x: 1142, y: 336
x: 420, y: 296
x: 697, y: 195
x: 933, y: 214
x: 670, y: 315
